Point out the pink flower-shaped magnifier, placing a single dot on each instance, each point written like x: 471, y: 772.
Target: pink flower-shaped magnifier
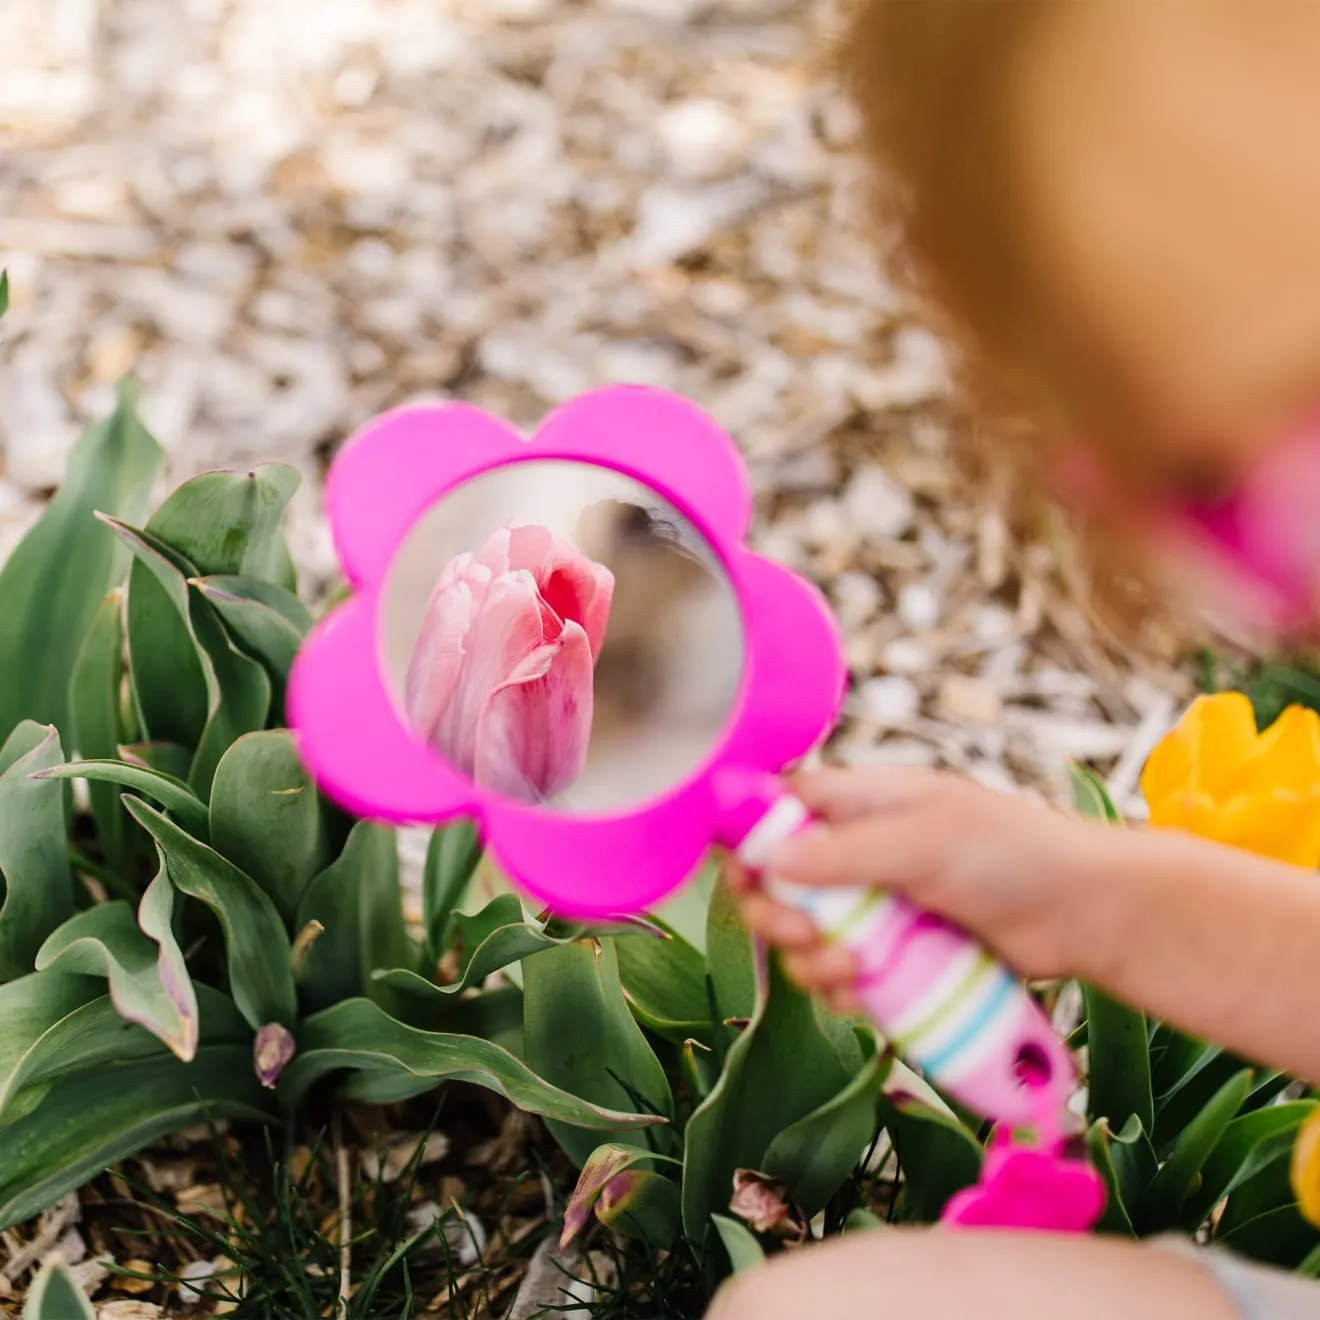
x: 358, y: 744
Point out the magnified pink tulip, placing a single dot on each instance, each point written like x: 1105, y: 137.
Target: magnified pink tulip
x: 500, y: 681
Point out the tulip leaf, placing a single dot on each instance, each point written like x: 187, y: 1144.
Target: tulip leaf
x: 642, y: 1205
x: 54, y: 582
x: 580, y: 1036
x: 266, y: 621
x: 740, y: 1243
x: 95, y: 723
x: 88, y: 1120
x: 256, y: 945
x: 149, y: 983
x: 664, y: 981
x: 424, y: 1003
x: 451, y: 861
x: 175, y: 796
x: 34, y: 857
x: 171, y: 690
x: 55, y: 1296
x: 1178, y: 1176
x: 1261, y: 1219
x: 1126, y: 1162
x: 358, y: 1035
x: 267, y: 818
x: 938, y: 1154
x: 686, y: 912
x: 1117, y: 1040
x: 357, y: 900
x: 780, y: 1069
x: 730, y: 958
x: 603, y: 1165
x: 163, y: 757
x: 64, y: 1023
x: 192, y: 685
x: 861, y: 1221
x: 1091, y: 797
x: 1247, y: 1143
x: 814, y: 1156
x: 242, y: 693
x: 228, y: 523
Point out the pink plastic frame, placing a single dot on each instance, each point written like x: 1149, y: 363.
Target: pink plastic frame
x: 360, y: 751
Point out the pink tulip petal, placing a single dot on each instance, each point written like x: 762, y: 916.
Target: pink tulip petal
x: 503, y: 633
x: 574, y: 586
x: 437, y: 658
x: 533, y: 735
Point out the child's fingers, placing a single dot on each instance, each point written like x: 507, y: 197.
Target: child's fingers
x: 838, y: 795
x: 885, y: 852
x: 827, y: 967
x: 777, y: 924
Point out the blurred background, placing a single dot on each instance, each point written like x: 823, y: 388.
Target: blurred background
x: 285, y: 216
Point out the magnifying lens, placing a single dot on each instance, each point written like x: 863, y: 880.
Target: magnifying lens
x: 567, y: 640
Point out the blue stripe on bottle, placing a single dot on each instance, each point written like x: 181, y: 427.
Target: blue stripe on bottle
x: 974, y: 1025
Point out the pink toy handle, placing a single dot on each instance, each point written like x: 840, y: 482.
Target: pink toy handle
x: 944, y: 1003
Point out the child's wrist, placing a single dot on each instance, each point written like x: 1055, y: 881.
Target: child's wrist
x: 1097, y: 903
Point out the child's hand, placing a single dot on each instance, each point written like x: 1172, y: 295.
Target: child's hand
x: 999, y: 867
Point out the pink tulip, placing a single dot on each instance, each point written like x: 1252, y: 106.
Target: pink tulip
x: 501, y: 678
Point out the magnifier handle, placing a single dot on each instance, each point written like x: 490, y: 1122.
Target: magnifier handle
x: 942, y: 1000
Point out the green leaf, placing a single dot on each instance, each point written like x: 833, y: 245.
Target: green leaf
x: 664, y: 981
x: 149, y: 983
x: 53, y: 1294
x: 939, y: 1156
x: 861, y: 1221
x: 580, y: 1036
x: 4, y: 292
x: 600, y: 1168
x: 64, y: 1023
x: 1261, y: 1219
x: 451, y: 860
x: 642, y: 1205
x: 423, y: 1003
x: 228, y: 523
x: 192, y: 685
x: 163, y: 757
x: 730, y: 958
x: 171, y: 688
x: 780, y: 1069
x: 267, y: 622
x: 1118, y: 1047
x: 744, y: 1250
x: 54, y: 582
x: 95, y: 726
x: 1247, y: 1142
x: 1177, y: 1178
x: 87, y: 1121
x: 266, y: 816
x: 1126, y: 1162
x: 176, y: 797
x: 256, y: 946
x: 358, y: 901
x: 356, y: 1035
x: 34, y: 850
x: 1090, y: 796
x: 687, y: 911
x: 242, y: 693
x: 814, y: 1156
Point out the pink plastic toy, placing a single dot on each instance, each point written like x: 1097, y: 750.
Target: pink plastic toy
x: 943, y: 1001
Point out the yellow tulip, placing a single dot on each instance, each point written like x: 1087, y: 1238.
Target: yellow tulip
x: 1306, y: 1168
x: 1215, y: 776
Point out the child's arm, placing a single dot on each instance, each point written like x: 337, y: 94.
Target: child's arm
x: 1218, y: 942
